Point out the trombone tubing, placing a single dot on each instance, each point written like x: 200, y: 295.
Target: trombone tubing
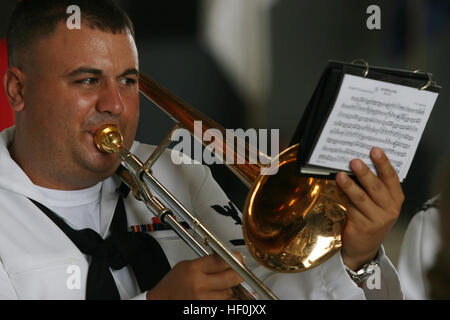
x: 144, y: 178
x: 185, y: 115
x: 210, y: 239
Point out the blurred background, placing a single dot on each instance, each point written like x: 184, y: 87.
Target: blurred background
x: 255, y: 64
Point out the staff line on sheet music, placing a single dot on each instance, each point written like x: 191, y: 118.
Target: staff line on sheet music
x: 396, y: 106
x: 360, y: 136
x: 389, y: 123
x: 376, y: 112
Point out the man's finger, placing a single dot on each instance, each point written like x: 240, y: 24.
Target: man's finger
x: 357, y: 196
x: 212, y: 263
x: 372, y: 184
x: 387, y: 174
x: 223, y: 280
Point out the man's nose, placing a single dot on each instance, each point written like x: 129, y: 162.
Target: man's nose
x: 110, y: 99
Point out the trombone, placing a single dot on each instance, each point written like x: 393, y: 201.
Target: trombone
x: 290, y: 223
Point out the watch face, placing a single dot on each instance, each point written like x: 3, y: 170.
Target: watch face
x: 363, y: 273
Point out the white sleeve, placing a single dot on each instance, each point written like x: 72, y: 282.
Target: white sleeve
x: 385, y: 283
x: 327, y: 281
x: 330, y: 281
x: 7, y: 291
x: 418, y: 253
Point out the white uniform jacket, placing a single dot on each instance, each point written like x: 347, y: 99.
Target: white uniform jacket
x: 420, y: 247
x: 37, y: 258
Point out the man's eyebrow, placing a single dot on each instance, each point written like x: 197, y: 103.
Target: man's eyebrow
x: 95, y: 71
x: 130, y: 71
x: 83, y: 70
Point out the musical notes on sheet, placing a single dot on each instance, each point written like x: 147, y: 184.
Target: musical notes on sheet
x: 369, y: 113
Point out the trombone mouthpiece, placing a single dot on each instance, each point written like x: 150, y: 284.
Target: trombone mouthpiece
x: 108, y: 138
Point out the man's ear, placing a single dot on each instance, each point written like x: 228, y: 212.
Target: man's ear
x: 13, y: 81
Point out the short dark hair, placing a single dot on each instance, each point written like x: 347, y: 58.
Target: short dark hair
x: 33, y: 19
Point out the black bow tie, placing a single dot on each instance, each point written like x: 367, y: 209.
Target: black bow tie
x: 139, y: 250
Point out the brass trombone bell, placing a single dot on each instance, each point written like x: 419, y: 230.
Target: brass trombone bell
x: 292, y: 223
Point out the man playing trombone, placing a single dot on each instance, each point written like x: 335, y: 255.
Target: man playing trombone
x: 71, y: 231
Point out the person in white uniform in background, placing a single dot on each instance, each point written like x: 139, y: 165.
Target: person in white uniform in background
x: 439, y: 274
x: 418, y: 251
x: 424, y: 264
x: 60, y: 212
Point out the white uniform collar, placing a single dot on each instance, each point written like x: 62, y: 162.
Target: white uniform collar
x: 12, y: 177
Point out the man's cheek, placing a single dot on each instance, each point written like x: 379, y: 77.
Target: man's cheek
x: 129, y: 126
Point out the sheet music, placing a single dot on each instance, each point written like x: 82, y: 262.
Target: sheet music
x: 370, y: 113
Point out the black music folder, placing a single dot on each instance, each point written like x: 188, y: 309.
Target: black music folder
x: 356, y: 107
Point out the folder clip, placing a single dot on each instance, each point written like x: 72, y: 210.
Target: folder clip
x: 429, y: 82
x: 365, y: 63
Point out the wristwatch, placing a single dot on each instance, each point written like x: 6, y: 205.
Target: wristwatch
x: 365, y: 272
